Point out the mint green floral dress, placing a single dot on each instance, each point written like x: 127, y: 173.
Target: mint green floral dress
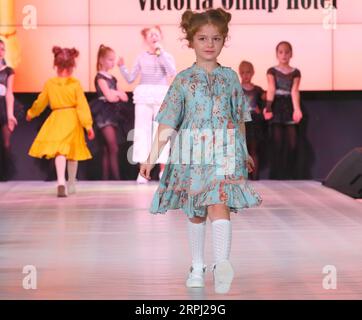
x: 207, y: 163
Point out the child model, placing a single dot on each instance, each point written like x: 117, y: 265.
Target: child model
x: 154, y: 66
x: 62, y: 135
x: 283, y: 111
x: 9, y: 107
x: 254, y: 128
x: 204, y: 104
x: 106, y: 110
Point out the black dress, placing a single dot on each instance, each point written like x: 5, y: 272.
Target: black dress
x: 282, y: 106
x: 105, y: 113
x: 18, y: 107
x: 255, y: 128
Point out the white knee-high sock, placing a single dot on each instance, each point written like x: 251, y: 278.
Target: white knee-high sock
x: 72, y: 171
x: 197, y: 244
x: 60, y: 164
x: 221, y: 238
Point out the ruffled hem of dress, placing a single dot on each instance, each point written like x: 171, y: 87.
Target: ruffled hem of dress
x: 51, y: 150
x: 237, y: 196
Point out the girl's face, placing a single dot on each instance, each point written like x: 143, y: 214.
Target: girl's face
x: 207, y: 43
x: 153, y: 37
x: 108, y: 61
x: 284, y: 54
x: 2, y: 51
x: 246, y: 74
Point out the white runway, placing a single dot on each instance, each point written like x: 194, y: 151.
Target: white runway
x: 103, y: 244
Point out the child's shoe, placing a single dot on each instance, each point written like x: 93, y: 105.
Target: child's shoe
x: 62, y: 192
x: 223, y: 276
x: 160, y: 175
x: 141, y: 180
x: 196, y: 278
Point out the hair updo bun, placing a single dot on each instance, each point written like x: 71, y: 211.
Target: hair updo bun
x: 64, y: 58
x: 191, y: 22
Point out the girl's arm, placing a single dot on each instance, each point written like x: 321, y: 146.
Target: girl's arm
x: 9, y: 97
x: 168, y: 62
x: 130, y: 77
x: 297, y: 114
x: 163, y: 134
x: 122, y: 94
x: 270, y: 94
x: 39, y: 105
x: 296, y: 94
x: 110, y: 95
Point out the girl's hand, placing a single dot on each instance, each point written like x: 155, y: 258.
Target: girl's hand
x: 297, y: 115
x: 91, y: 134
x: 123, y: 96
x: 267, y: 115
x: 145, y: 170
x: 28, y: 118
x: 12, y: 123
x: 250, y: 164
x: 120, y: 62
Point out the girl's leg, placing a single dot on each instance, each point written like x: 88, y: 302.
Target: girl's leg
x: 221, y: 231
x: 60, y: 164
x: 197, y: 227
x: 72, y: 175
x: 110, y: 136
x: 6, y: 133
x: 142, y: 135
x: 196, y: 231
x: 105, y: 162
x: 291, y: 145
x: 276, y: 159
x: 219, y: 216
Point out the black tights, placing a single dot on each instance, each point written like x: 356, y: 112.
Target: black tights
x: 5, y: 152
x: 283, y: 151
x: 110, y: 153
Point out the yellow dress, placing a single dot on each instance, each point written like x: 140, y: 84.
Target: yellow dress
x: 63, y: 131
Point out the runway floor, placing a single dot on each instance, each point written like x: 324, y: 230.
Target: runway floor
x: 103, y: 244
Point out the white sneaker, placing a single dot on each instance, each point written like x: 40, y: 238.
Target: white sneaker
x: 141, y: 180
x: 223, y: 276
x: 196, y: 278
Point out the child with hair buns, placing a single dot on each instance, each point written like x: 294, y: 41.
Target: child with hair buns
x: 205, y: 107
x: 62, y: 135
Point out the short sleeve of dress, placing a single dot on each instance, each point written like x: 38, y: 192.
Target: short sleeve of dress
x: 171, y: 112
x: 9, y: 71
x: 297, y: 74
x: 240, y: 103
x: 271, y: 71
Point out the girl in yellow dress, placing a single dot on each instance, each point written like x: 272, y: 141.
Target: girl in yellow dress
x: 62, y: 135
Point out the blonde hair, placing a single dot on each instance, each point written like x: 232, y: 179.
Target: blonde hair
x: 246, y: 64
x: 191, y: 22
x: 146, y: 30
x: 102, y: 52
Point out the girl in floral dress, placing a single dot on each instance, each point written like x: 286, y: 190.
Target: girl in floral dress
x: 206, y: 174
